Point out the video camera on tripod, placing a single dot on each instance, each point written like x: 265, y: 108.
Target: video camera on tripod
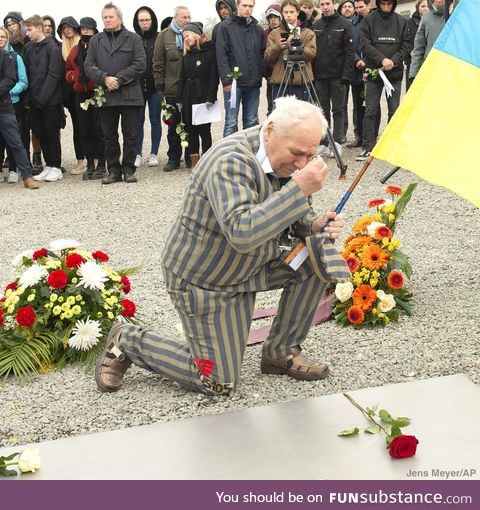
x: 295, y: 49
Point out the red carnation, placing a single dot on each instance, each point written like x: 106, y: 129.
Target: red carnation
x: 74, y: 260
x: 376, y: 202
x: 403, y: 446
x: 12, y: 286
x: 1, y: 317
x: 126, y: 284
x: 57, y: 279
x: 129, y: 308
x: 394, y: 190
x: 39, y: 253
x: 100, y: 256
x: 26, y: 316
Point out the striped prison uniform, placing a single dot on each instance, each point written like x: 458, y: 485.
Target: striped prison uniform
x: 223, y: 248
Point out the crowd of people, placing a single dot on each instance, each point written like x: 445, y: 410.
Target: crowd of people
x: 109, y: 77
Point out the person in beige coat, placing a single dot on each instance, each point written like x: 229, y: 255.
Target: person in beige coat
x: 281, y: 43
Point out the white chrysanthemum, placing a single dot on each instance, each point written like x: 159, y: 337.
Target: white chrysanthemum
x: 85, y: 335
x: 91, y: 275
x: 373, y: 226
x: 17, y: 262
x: 32, y: 275
x: 63, y: 244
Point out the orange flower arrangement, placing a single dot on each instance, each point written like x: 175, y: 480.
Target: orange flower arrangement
x: 376, y: 292
x: 364, y: 297
x: 374, y: 257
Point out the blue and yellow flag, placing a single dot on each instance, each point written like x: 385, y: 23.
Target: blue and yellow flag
x: 435, y: 132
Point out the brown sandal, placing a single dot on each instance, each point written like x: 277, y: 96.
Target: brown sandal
x: 295, y: 365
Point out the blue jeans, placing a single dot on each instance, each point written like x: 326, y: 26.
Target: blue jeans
x: 11, y: 134
x: 250, y: 98
x: 154, y: 111
x: 299, y: 91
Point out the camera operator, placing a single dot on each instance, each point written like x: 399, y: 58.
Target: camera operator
x: 291, y: 42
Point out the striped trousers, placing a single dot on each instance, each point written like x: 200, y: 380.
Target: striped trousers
x: 216, y: 325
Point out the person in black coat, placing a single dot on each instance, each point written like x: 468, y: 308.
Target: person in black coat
x: 198, y: 84
x: 421, y: 7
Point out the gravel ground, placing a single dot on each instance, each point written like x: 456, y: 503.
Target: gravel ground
x: 439, y: 230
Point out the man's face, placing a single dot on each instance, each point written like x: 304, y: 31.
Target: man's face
x: 386, y: 5
x: 245, y: 8
x: 274, y: 21
x: 223, y: 10
x: 35, y: 33
x: 13, y: 27
x: 111, y: 20
x: 144, y: 21
x: 347, y: 10
x: 290, y: 14
x: 307, y: 9
x: 47, y: 27
x: 294, y: 148
x: 361, y: 8
x: 182, y: 17
x: 326, y: 6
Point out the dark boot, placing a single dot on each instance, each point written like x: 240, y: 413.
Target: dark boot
x: 100, y: 171
x: 115, y: 175
x: 37, y: 163
x: 129, y: 175
x: 89, y: 170
x: 194, y: 158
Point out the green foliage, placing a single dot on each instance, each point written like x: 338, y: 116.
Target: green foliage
x: 350, y: 432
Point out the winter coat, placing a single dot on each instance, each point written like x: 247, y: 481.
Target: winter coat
x: 120, y: 55
x: 232, y: 5
x: 149, y: 39
x: 167, y: 62
x: 22, y: 78
x: 275, y: 54
x: 335, y: 55
x: 431, y: 25
x: 8, y: 78
x: 198, y: 82
x: 45, y: 70
x: 412, y: 26
x: 385, y: 36
x: 72, y: 72
x: 241, y: 44
x: 308, y: 23
x: 357, y: 45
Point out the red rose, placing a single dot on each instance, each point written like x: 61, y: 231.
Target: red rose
x: 100, y: 256
x: 39, y: 253
x: 12, y: 286
x: 168, y: 122
x: 74, y: 260
x: 57, y: 279
x: 126, y: 284
x: 1, y: 317
x: 129, y: 308
x: 26, y: 316
x: 403, y: 446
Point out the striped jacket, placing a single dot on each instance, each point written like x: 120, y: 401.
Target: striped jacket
x: 232, y: 219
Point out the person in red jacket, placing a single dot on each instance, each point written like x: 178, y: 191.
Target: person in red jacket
x: 89, y: 119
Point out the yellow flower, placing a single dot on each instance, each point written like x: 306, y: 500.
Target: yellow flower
x: 31, y: 297
x: 82, y: 303
x: 76, y: 310
x: 391, y: 217
x: 111, y: 316
x: 107, y: 307
x: 74, y: 280
x: 9, y: 291
x: 52, y: 264
x: 99, y: 315
x: 381, y: 315
x: 68, y: 314
x: 61, y: 299
x: 10, y: 309
x: 373, y: 282
x: 385, y: 241
x: 15, y: 300
x: 396, y: 243
x: 375, y: 274
x: 391, y: 248
x: 388, y: 208
x: 53, y: 298
x: 377, y: 216
x: 20, y: 290
x: 66, y: 306
x: 114, y: 300
x: 374, y: 311
x: 78, y: 297
x: 71, y: 300
x: 47, y: 305
x: 57, y: 310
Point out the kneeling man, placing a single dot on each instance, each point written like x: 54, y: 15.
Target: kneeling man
x: 247, y: 194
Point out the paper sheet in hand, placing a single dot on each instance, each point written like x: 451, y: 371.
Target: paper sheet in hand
x: 202, y: 115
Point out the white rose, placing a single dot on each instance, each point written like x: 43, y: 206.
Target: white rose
x: 29, y: 460
x: 373, y: 226
x: 236, y: 69
x: 386, y: 301
x: 184, y: 144
x: 344, y: 291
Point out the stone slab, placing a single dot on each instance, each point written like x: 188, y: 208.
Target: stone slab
x: 293, y: 440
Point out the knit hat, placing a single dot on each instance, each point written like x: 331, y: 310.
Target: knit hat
x: 273, y: 10
x: 14, y: 16
x: 88, y: 23
x: 194, y: 26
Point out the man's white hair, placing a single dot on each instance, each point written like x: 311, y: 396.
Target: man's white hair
x: 180, y: 8
x: 290, y: 111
